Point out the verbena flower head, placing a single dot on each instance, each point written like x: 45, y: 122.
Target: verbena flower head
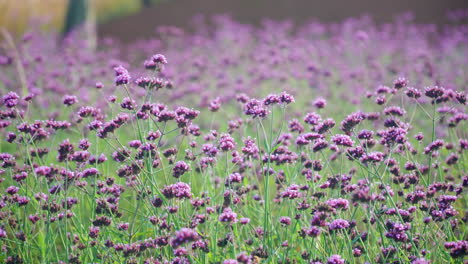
x: 312, y: 119
x: 401, y: 82
x: 434, y: 91
x: 121, y: 75
x: 183, y: 236
x: 226, y: 142
x: 338, y: 224
x: 342, y: 140
x: 10, y: 100
x: 335, y: 259
x: 180, y: 168
x: 228, y: 216
x: 70, y: 100
x: 413, y: 93
x: 351, y: 121
x: 320, y: 103
x: 159, y: 58
x: 255, y: 109
x: 178, y: 190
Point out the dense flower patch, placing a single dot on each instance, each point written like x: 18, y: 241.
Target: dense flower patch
x: 328, y: 144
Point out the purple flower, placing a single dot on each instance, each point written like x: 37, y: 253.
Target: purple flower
x: 413, y: 93
x: 226, y: 142
x: 84, y: 144
x: 365, y: 134
x: 397, y: 231
x: 234, y: 178
x: 338, y: 203
x: 433, y: 146
x: 286, y: 98
x: 183, y: 236
x: 210, y: 150
x: 10, y: 100
x: 90, y: 172
x: 420, y: 261
x: 401, y: 82
x: 143, y: 82
x: 230, y: 261
x: 215, y: 105
x: 128, y: 103
x: 295, y: 126
x: 458, y: 249
x: 373, y: 157
x: 338, y: 224
x: 94, y: 231
x: 178, y: 190
x: 434, y: 91
x: 351, y: 121
x: 291, y: 192
x: 380, y: 100
x: 382, y: 89
x: 121, y: 75
x: 271, y: 100
x: 325, y: 126
x: 43, y: 171
x: 228, y: 216
x: 122, y: 226
x: 255, y: 109
x: 313, y: 231
x: 335, y: 259
x: 180, y: 168
x: 284, y: 220
x: 320, y: 103
x: 153, y: 135
x: 12, y: 190
x: 250, y: 149
x: 159, y: 58
x: 3, y: 233
x: 319, y: 145
x: 393, y: 135
x: 394, y: 110
x: 87, y: 111
x: 342, y: 140
x: 312, y: 119
x: 460, y: 97
x: 70, y: 100
x: 244, y: 221
x: 34, y: 218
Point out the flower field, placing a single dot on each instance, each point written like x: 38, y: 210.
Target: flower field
x: 277, y: 143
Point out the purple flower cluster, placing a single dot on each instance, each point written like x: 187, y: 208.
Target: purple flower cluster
x: 121, y: 75
x: 338, y: 224
x: 178, y: 190
x: 228, y: 216
x: 180, y: 168
x: 92, y: 173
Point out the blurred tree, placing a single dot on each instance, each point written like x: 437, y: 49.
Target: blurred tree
x: 76, y: 15
x: 81, y: 13
x: 19, y: 16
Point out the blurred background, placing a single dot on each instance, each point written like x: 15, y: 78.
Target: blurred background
x: 131, y: 19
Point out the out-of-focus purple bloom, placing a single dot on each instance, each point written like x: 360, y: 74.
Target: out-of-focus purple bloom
x: 10, y: 100
x: 178, y: 190
x: 335, y: 259
x: 121, y: 75
x: 228, y: 216
x: 183, y: 236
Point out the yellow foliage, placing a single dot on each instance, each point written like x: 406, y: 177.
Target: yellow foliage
x: 17, y: 15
